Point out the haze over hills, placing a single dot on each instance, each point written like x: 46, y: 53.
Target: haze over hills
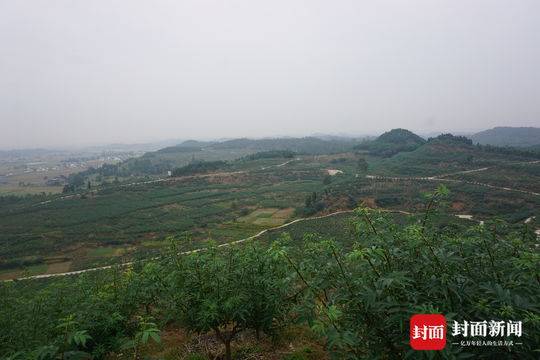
x: 499, y: 136
x: 508, y: 136
x: 284, y: 180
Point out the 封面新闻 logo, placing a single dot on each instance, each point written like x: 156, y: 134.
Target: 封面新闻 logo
x: 428, y: 332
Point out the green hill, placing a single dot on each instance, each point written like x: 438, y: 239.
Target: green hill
x: 305, y: 145
x: 447, y: 153
x: 508, y: 136
x: 392, y: 142
x: 163, y: 160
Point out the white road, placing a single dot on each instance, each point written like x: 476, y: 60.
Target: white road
x: 376, y: 177
x: 260, y: 233
x: 440, y: 178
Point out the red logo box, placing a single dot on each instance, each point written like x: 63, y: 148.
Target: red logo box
x: 427, y: 332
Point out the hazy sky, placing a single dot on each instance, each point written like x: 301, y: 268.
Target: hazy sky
x: 81, y: 72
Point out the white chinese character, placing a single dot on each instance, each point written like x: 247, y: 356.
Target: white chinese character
x: 496, y: 328
x: 513, y: 328
x: 419, y: 332
x: 460, y: 329
x: 436, y: 332
x: 479, y: 328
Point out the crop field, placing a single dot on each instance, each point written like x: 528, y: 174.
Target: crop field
x: 116, y: 223
x: 299, y: 241
x: 132, y: 216
x: 518, y: 176
x: 267, y: 216
x: 298, y: 206
x: 108, y: 225
x: 440, y: 159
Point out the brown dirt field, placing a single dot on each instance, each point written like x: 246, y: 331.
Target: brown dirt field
x: 10, y: 275
x: 177, y: 344
x: 458, y: 205
x: 283, y: 213
x: 271, y: 222
x: 59, y: 267
x: 150, y: 236
x: 226, y: 179
x: 267, y: 216
x: 261, y: 212
x: 369, y: 202
x: 174, y: 206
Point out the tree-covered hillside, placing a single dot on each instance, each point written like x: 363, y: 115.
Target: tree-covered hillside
x: 392, y: 142
x: 447, y: 153
x: 161, y: 161
x: 508, y: 136
x: 305, y: 145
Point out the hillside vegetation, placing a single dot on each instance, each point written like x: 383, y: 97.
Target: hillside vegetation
x: 306, y: 145
x: 253, y: 251
x: 508, y: 136
x: 340, y: 300
x: 125, y: 218
x: 161, y: 161
x: 392, y: 142
x: 447, y: 153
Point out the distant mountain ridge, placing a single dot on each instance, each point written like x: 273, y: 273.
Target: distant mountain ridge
x: 508, y: 136
x: 192, y: 151
x: 305, y: 145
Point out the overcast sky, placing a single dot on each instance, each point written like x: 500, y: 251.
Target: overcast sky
x: 101, y: 71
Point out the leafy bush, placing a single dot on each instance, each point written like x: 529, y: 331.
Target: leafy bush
x: 227, y: 291
x: 356, y: 294
x: 360, y: 299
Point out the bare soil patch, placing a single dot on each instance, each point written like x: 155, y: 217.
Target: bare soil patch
x: 458, y: 205
x: 59, y: 267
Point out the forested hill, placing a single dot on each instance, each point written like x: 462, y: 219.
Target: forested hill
x: 172, y: 157
x: 508, y: 136
x: 448, y: 153
x: 305, y: 145
x: 409, y: 148
x: 392, y: 142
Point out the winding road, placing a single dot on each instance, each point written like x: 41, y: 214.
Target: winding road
x: 441, y: 178
x: 376, y: 177
x: 235, y: 242
x: 160, y: 180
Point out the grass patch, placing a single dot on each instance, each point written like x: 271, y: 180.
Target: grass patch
x: 105, y: 252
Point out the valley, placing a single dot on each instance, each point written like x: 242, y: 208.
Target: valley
x: 117, y: 222
x: 225, y: 198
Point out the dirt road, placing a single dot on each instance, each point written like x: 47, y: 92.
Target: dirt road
x: 260, y: 233
x: 441, y: 178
